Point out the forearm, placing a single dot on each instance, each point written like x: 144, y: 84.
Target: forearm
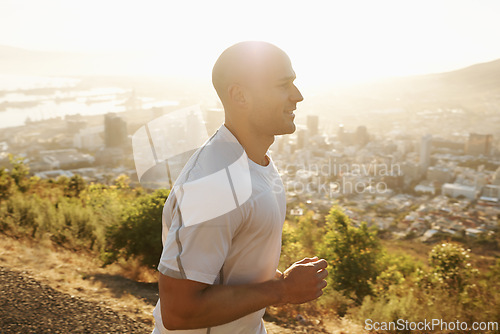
x: 219, y: 304
x: 187, y: 304
x: 225, y: 303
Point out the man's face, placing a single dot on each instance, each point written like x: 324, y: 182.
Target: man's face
x: 274, y: 97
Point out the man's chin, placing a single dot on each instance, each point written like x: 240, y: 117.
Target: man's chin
x: 287, y: 130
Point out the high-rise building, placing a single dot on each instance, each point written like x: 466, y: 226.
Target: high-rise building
x: 362, y: 137
x: 478, y: 144
x: 340, y: 133
x: 115, y: 131
x: 425, y: 153
x: 301, y: 138
x: 90, y: 138
x: 312, y: 124
x: 448, y: 145
x: 496, y: 177
x: 133, y: 103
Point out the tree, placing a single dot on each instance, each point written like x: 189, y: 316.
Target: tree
x: 352, y: 254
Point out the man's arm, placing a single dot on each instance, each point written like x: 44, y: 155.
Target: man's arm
x: 187, y: 304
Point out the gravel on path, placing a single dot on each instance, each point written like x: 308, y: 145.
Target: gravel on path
x: 29, y: 306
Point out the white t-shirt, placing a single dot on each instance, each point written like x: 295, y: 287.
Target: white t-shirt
x: 222, y: 224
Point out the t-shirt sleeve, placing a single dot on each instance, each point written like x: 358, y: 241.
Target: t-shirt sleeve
x: 194, y: 248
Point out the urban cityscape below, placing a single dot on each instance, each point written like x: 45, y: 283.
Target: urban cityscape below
x: 407, y: 171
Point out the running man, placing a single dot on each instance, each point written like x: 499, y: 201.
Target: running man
x: 223, y: 219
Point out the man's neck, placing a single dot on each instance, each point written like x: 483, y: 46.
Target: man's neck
x: 254, y: 145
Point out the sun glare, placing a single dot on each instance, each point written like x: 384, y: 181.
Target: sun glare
x: 328, y: 41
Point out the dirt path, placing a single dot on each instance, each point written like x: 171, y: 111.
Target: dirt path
x: 29, y: 306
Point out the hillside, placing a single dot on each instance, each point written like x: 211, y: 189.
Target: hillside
x: 480, y: 81
x: 475, y: 89
x: 61, y: 233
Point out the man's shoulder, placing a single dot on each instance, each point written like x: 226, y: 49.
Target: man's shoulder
x: 216, y: 155
x: 215, y: 182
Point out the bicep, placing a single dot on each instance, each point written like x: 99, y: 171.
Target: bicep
x: 179, y: 297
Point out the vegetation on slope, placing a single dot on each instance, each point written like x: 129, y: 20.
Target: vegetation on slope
x: 367, y: 280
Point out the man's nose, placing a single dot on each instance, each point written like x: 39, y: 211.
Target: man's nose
x: 296, y: 96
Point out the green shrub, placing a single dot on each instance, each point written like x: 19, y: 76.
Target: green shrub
x: 451, y: 289
x: 78, y: 224
x: 291, y: 248
x: 19, y: 172
x: 301, y: 238
x: 402, y: 262
x: 22, y: 213
x: 352, y: 253
x: 139, y: 233
x: 450, y: 266
x: 309, y: 234
x: 6, y: 185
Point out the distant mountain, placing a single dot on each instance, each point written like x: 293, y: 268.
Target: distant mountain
x: 473, y: 81
x: 482, y: 77
x: 475, y: 88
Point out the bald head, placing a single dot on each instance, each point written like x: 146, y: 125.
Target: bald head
x: 244, y: 63
x: 255, y: 83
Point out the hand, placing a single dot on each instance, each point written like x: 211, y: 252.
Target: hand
x: 304, y: 280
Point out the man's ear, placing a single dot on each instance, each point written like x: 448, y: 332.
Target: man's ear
x: 237, y: 94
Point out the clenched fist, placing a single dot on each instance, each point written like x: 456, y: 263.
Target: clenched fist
x: 304, y: 280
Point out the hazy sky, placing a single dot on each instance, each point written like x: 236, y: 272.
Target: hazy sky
x: 328, y: 41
